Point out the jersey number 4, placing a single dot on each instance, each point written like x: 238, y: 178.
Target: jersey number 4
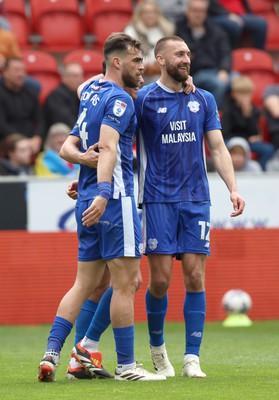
x: 83, y: 133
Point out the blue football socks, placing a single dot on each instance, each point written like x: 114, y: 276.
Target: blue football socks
x: 156, y: 312
x: 194, y: 315
x: 124, y: 342
x: 61, y: 328
x: 101, y: 319
x: 84, y: 319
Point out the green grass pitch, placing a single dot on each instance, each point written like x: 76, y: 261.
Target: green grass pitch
x: 241, y: 363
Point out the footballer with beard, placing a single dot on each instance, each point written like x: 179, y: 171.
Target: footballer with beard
x: 108, y: 225
x: 174, y: 194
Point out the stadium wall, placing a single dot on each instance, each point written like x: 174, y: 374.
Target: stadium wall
x: 38, y: 268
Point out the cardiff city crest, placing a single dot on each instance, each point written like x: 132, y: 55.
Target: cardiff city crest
x: 194, y: 106
x: 152, y: 244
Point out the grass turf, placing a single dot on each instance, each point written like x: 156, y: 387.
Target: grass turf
x: 241, y: 363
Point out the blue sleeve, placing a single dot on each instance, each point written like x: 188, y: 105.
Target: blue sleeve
x: 212, y: 118
x: 119, y: 112
x: 75, y: 131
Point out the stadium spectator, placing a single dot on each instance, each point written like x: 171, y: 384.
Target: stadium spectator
x: 241, y: 118
x: 111, y: 122
x: 149, y: 25
x: 17, y: 159
x: 241, y: 156
x: 237, y: 19
x: 48, y: 163
x: 9, y: 48
x: 271, y: 109
x: 62, y: 104
x: 210, y: 50
x: 20, y: 110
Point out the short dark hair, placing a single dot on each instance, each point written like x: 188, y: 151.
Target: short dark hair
x: 119, y: 42
x: 9, y: 60
x: 104, y: 67
x: 161, y: 43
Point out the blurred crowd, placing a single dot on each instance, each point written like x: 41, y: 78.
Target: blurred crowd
x: 32, y: 129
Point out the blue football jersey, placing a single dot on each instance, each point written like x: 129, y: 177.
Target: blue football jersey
x: 170, y: 143
x: 106, y: 103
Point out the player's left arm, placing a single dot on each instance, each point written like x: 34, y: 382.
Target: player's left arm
x: 108, y: 141
x: 224, y: 166
x: 70, y: 151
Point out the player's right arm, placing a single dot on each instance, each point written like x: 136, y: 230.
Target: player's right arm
x: 108, y: 141
x: 224, y: 166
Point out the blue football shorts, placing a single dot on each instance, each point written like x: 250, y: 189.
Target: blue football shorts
x: 118, y: 233
x: 176, y: 228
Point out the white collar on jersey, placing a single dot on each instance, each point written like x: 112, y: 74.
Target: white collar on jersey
x: 159, y: 83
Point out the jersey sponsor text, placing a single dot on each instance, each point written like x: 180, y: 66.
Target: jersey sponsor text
x: 179, y: 137
x: 178, y: 125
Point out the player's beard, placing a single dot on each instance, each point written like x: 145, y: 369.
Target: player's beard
x: 174, y: 72
x: 130, y: 80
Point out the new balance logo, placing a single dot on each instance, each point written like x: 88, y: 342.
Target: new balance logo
x: 162, y: 110
x: 196, y: 334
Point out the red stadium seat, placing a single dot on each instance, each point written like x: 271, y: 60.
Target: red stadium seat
x: 261, y: 6
x: 15, y: 14
x: 59, y: 24
x: 106, y: 16
x: 90, y: 60
x: 259, y: 66
x: 272, y: 42
x: 43, y: 67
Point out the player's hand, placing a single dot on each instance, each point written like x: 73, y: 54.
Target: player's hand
x: 90, y: 157
x: 72, y: 190
x: 238, y: 204
x: 93, y: 213
x: 189, y: 86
